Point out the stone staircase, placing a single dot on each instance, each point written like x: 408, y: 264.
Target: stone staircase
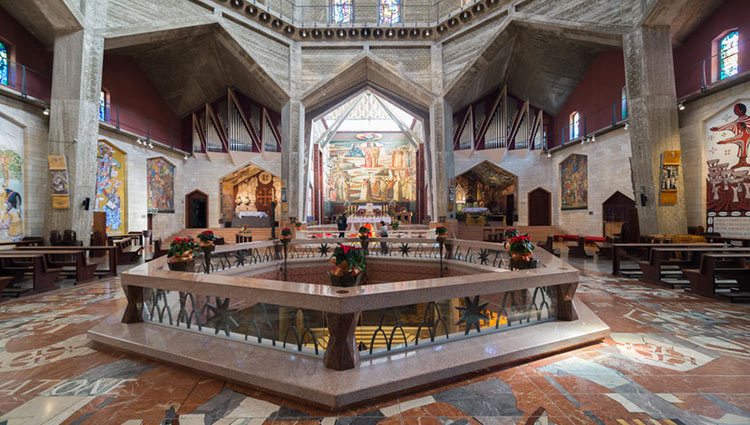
x: 258, y: 233
x: 537, y: 233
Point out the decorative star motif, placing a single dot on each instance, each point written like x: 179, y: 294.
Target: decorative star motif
x: 472, y: 314
x: 404, y: 248
x: 222, y: 315
x: 484, y: 255
x: 240, y: 256
x: 324, y: 249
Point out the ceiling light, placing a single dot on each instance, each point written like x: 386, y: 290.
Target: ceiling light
x: 46, y: 111
x: 680, y: 106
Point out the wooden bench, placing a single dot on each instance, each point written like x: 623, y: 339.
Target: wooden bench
x: 127, y: 251
x: 242, y: 238
x: 98, y: 261
x: 30, y: 241
x: 721, y: 265
x: 689, y: 256
x: 4, y: 282
x: 157, y: 251
x: 17, y: 264
x: 74, y: 262
x: 646, y: 248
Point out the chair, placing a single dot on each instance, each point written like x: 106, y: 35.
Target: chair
x: 55, y: 238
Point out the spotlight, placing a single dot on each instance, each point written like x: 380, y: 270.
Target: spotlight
x: 414, y: 32
x: 46, y: 111
x: 427, y: 32
x: 549, y: 155
x: 251, y: 10
x: 593, y: 138
x: 289, y: 30
x: 316, y: 33
x: 403, y: 32
x: 341, y: 33
x: 442, y: 28
x: 264, y: 17
x: 365, y: 32
x: 680, y: 106
x: 304, y: 33
x: 139, y: 141
x: 236, y: 3
x: 627, y: 125
x: 377, y: 33
x: 150, y: 145
x: 276, y: 23
x: 75, y: 140
x: 328, y: 33
x: 185, y: 158
x: 353, y: 32
x: 390, y: 33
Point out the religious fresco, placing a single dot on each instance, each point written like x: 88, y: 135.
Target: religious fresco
x: 110, y: 186
x: 370, y: 169
x: 728, y: 172
x: 11, y: 162
x: 160, y: 179
x: 574, y: 182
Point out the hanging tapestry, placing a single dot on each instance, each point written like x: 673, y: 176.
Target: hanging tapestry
x: 110, y: 186
x: 160, y: 178
x: 11, y: 164
x: 574, y: 184
x: 728, y: 172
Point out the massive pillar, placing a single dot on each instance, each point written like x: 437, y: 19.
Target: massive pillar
x: 293, y: 133
x: 441, y: 142
x: 74, y: 120
x: 652, y: 104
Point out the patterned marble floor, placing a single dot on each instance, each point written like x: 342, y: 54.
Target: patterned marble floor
x: 672, y: 359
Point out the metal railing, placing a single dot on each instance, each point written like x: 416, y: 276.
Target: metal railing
x: 126, y: 119
x: 28, y: 82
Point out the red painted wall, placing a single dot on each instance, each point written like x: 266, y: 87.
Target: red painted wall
x: 138, y: 102
x: 594, y: 97
x: 29, y: 52
x: 690, y: 56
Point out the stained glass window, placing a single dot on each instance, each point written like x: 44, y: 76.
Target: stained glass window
x: 390, y: 12
x: 729, y: 55
x: 102, y: 106
x: 624, y: 102
x: 575, y: 125
x: 4, y: 62
x: 341, y: 11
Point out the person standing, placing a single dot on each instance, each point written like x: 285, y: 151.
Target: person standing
x: 383, y: 232
x: 341, y: 224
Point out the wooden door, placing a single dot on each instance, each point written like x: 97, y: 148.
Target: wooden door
x: 196, y: 210
x: 540, y: 207
x: 263, y: 197
x: 620, y: 218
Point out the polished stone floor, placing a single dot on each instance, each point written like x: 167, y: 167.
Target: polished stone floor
x: 672, y: 358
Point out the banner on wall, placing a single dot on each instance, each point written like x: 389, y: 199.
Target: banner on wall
x: 728, y: 171
x: 58, y: 182
x: 574, y: 183
x: 160, y: 185
x: 11, y: 166
x: 110, y: 186
x: 670, y: 168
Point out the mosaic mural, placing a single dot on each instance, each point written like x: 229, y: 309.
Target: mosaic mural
x: 110, y: 186
x: 11, y: 166
x: 370, y: 169
x: 160, y: 179
x: 728, y: 172
x: 574, y: 182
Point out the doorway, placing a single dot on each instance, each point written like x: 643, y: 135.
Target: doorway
x: 620, y: 218
x: 196, y: 210
x: 540, y: 207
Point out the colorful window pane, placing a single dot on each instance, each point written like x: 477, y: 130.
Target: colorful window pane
x: 341, y: 11
x: 4, y: 62
x: 729, y: 55
x: 624, y: 103
x: 575, y: 125
x: 390, y: 12
x: 102, y: 106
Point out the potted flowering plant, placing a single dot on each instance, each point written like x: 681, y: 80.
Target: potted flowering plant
x: 298, y: 225
x: 521, y: 253
x: 348, y: 265
x: 364, y: 237
x: 207, y: 240
x: 510, y: 233
x: 286, y: 234
x: 395, y: 224
x: 244, y: 229
x: 180, y: 255
x: 441, y: 233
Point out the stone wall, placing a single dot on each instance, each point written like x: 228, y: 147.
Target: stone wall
x: 693, y: 142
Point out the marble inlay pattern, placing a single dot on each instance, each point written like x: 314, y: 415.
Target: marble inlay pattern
x: 672, y: 359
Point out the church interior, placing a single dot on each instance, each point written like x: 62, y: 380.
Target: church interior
x: 375, y: 212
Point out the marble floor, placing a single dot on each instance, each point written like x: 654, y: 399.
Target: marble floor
x: 672, y: 359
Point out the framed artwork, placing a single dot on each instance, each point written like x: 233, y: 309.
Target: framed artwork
x: 574, y: 184
x: 160, y: 185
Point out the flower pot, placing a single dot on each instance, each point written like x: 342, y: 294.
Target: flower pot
x: 346, y: 280
x: 364, y: 242
x: 208, y: 249
x: 521, y: 264
x: 441, y: 238
x: 182, y: 266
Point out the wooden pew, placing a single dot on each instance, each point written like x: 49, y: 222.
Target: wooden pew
x: 17, y: 264
x: 111, y: 251
x: 30, y: 241
x: 690, y: 256
x: 617, y: 248
x: 127, y: 251
x: 83, y: 269
x: 157, y: 251
x: 4, y: 282
x: 733, y: 265
x: 727, y: 239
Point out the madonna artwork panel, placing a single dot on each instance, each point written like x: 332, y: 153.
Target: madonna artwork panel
x: 110, y: 186
x: 11, y: 175
x: 574, y: 184
x: 160, y: 179
x: 728, y: 171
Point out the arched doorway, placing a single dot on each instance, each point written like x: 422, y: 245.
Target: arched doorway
x: 540, y: 207
x: 486, y: 189
x: 196, y: 210
x: 620, y: 218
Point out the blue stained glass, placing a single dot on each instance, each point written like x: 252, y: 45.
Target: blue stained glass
x: 341, y: 11
x: 390, y: 12
x: 102, y: 106
x: 575, y: 125
x: 729, y: 50
x: 4, y: 62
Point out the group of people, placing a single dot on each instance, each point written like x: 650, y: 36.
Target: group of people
x: 342, y: 223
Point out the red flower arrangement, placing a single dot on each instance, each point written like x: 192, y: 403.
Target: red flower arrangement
x: 181, y: 250
x: 286, y: 234
x: 520, y: 247
x: 347, y: 260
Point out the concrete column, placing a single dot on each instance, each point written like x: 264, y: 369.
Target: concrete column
x: 441, y: 141
x: 652, y: 104
x: 74, y: 125
x: 292, y: 159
